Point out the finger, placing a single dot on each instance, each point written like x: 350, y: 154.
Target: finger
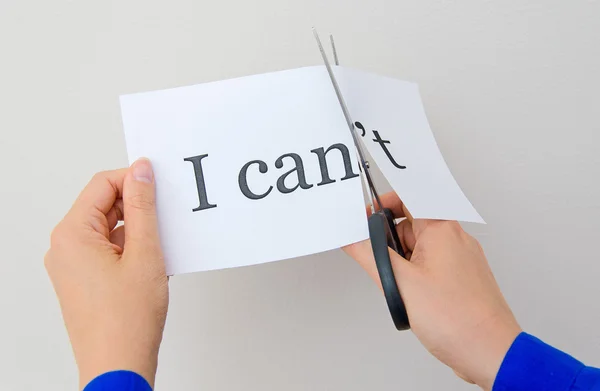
x: 97, y: 199
x: 407, y: 236
x: 405, y: 233
x: 362, y: 252
x: 139, y: 203
x: 117, y: 237
x: 101, y: 192
x: 115, y: 214
x: 392, y: 201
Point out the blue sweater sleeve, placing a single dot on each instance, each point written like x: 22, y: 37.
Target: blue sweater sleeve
x: 530, y: 364
x: 118, y: 381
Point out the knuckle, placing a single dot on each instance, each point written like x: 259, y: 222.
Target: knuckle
x: 445, y: 229
x: 103, y: 177
x: 47, y: 260
x: 480, y: 247
x: 476, y: 244
x: 440, y: 226
x: 451, y: 228
x: 57, y: 236
x: 99, y: 176
x: 454, y: 226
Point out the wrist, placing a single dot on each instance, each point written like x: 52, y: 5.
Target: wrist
x: 106, y: 360
x: 492, y: 349
x: 484, y: 349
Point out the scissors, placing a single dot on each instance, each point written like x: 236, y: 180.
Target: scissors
x: 382, y: 228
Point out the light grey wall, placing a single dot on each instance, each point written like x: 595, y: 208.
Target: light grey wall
x: 511, y: 89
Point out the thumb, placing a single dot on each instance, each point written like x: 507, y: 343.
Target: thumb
x: 139, y: 207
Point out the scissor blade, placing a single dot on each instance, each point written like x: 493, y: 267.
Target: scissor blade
x: 373, y: 194
x: 336, y: 87
x: 336, y: 61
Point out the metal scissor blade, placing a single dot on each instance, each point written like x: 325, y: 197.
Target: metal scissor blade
x: 365, y: 165
x: 335, y: 56
x: 336, y: 87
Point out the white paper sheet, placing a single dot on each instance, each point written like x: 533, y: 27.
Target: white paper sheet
x: 394, y: 110
x: 235, y: 122
x: 263, y: 117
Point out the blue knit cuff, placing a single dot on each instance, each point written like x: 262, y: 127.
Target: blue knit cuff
x: 588, y: 379
x: 118, y: 381
x: 530, y: 364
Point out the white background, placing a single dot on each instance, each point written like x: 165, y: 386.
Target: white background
x: 511, y: 91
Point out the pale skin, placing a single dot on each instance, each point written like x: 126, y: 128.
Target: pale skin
x: 113, y: 291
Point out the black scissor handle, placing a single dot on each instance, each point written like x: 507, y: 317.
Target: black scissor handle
x: 382, y: 232
x: 394, y: 239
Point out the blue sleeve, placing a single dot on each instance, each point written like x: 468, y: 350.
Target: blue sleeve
x: 530, y: 364
x: 118, y: 381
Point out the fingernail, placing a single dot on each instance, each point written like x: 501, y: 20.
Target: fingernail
x: 142, y: 171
